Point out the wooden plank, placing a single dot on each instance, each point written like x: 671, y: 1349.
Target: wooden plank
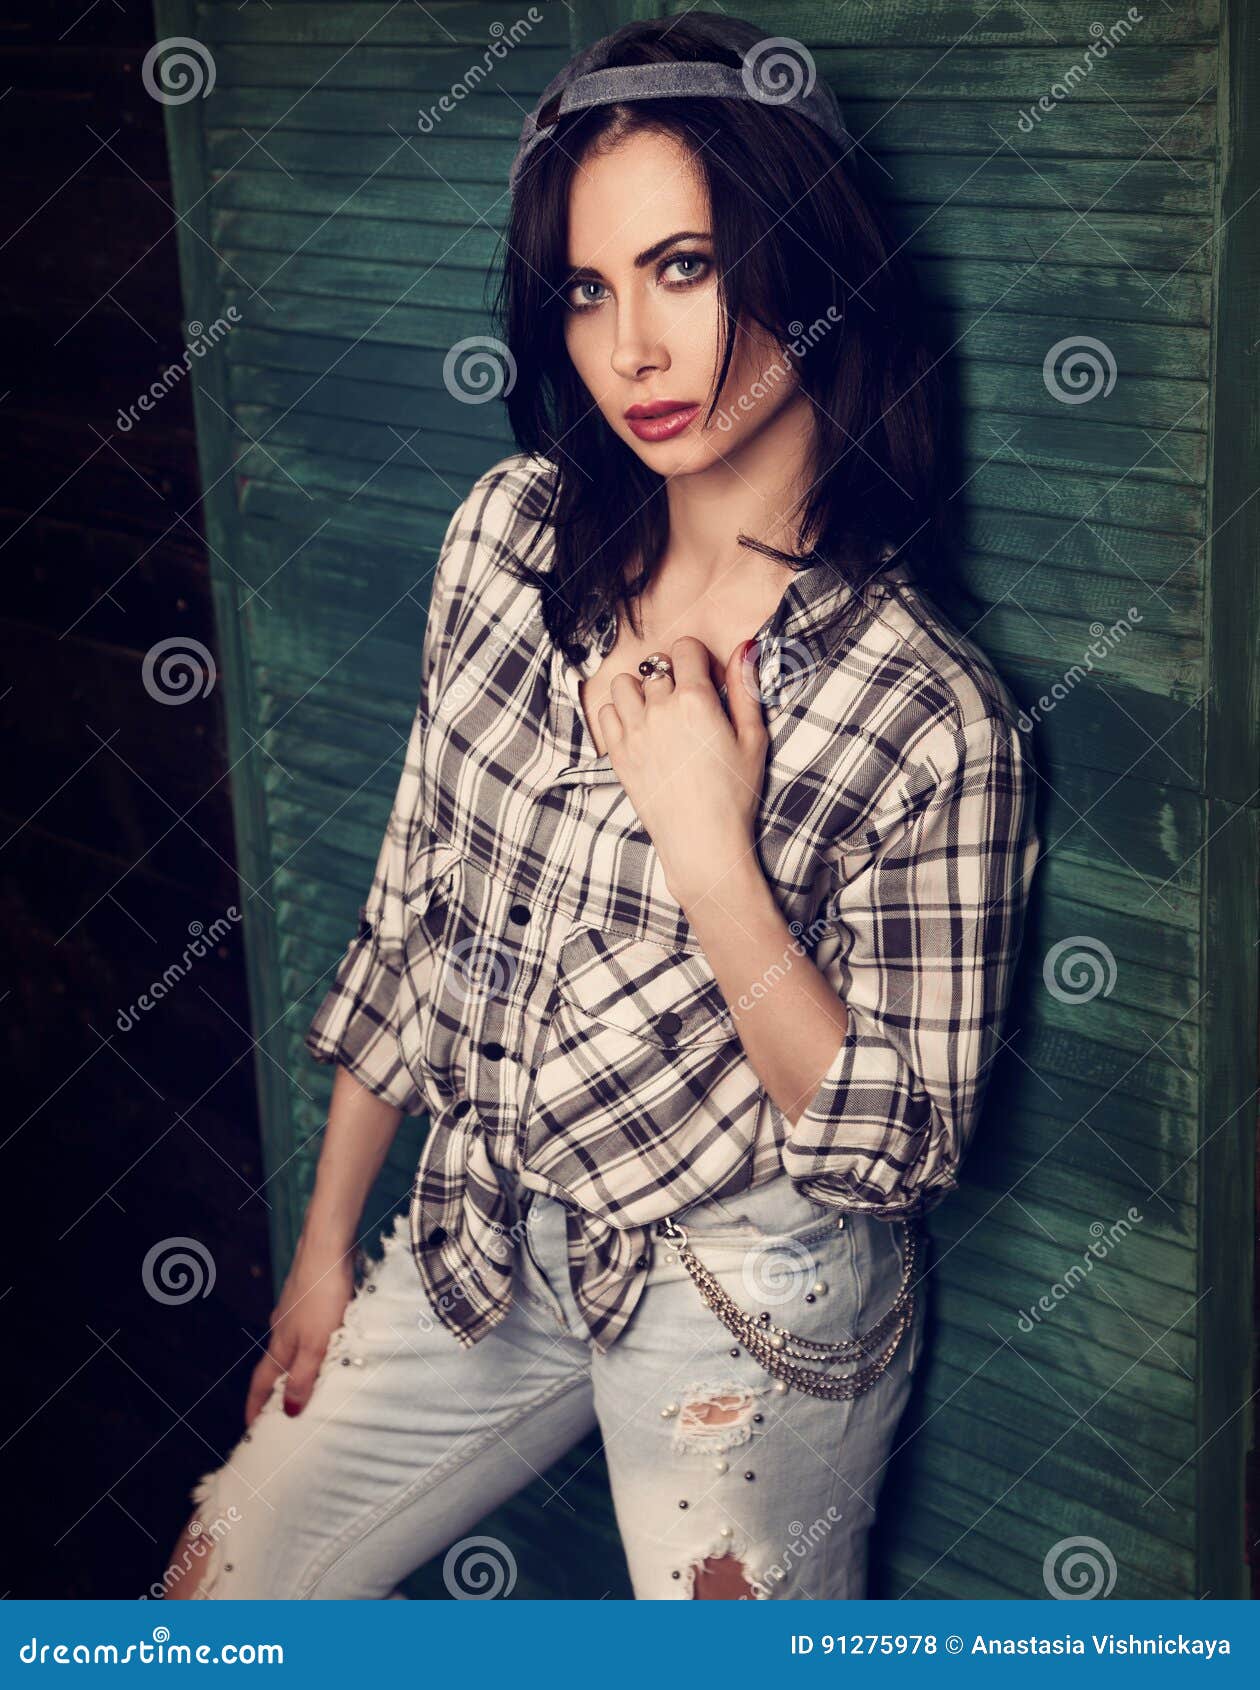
x: 1106, y: 1174
x: 1056, y: 1493
x: 438, y: 25
x: 1032, y: 1236
x: 943, y: 23
x: 1108, y: 1106
x: 1142, y: 1389
x: 441, y: 66
x: 1121, y: 604
x: 964, y: 1367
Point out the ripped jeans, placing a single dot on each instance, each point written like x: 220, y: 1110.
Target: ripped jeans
x: 409, y: 1439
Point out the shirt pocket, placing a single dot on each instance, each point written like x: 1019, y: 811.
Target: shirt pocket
x: 666, y: 998
x: 642, y: 1098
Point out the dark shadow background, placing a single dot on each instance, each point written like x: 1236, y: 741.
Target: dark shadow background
x: 118, y: 826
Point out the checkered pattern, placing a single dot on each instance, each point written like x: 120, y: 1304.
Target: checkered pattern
x: 522, y: 973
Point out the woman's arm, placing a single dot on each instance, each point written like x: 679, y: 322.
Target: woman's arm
x: 879, y: 1054
x: 786, y: 1013
x: 361, y: 1127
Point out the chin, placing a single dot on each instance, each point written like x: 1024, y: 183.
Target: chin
x: 672, y: 458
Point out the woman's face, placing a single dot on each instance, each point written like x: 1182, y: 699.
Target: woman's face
x: 642, y: 321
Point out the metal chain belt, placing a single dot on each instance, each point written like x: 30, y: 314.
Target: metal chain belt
x: 781, y: 1352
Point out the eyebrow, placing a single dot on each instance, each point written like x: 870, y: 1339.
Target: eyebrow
x: 651, y: 253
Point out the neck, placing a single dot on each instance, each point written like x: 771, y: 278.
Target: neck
x: 757, y: 491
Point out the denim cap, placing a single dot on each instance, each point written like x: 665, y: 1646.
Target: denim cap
x: 774, y: 71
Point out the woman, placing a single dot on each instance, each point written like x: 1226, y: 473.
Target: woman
x: 693, y: 924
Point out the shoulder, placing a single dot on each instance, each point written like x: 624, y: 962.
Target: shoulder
x: 921, y: 705
x: 503, y: 506
x: 961, y: 697
x: 494, y: 524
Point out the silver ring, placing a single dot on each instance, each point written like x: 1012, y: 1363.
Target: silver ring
x: 656, y: 663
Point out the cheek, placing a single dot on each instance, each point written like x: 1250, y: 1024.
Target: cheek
x: 759, y: 383
x: 587, y: 354
x: 694, y: 340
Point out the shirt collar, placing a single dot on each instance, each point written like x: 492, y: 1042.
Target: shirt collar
x: 798, y: 636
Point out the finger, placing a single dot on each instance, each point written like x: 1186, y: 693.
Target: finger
x: 743, y: 691
x: 625, y: 696
x: 261, y: 1385
x: 610, y: 726
x: 301, y: 1381
x: 690, y: 658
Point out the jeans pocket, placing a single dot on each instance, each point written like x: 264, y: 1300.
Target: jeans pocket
x: 773, y: 1210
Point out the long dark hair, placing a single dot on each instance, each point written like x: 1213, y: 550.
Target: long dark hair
x: 799, y: 249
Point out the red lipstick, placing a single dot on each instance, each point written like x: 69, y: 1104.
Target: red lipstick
x: 661, y: 419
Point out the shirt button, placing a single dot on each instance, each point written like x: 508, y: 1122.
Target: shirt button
x: 519, y: 913
x: 438, y: 1235
x: 668, y: 1024
x: 462, y: 1107
x: 642, y: 1262
x: 494, y: 1050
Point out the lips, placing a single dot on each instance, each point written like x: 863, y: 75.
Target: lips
x: 661, y: 419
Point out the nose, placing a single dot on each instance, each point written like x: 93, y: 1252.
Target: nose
x: 637, y: 349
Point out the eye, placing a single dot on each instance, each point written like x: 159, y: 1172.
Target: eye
x: 701, y: 263
x: 576, y: 300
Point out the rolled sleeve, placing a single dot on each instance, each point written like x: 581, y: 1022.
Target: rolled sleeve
x: 357, y: 1022
x: 920, y: 942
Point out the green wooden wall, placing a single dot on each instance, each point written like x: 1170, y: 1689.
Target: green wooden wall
x: 1112, y: 547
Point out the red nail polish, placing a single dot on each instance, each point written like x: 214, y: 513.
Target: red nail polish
x: 751, y: 648
x: 292, y: 1408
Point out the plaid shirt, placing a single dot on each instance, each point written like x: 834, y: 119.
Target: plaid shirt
x: 522, y: 974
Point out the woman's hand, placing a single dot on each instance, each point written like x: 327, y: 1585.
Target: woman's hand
x: 311, y: 1308
x: 692, y: 772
